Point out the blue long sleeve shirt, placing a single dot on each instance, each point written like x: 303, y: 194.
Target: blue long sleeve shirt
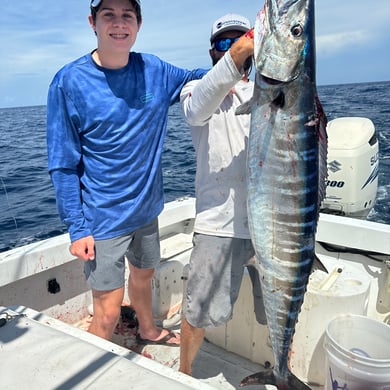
x: 105, y: 131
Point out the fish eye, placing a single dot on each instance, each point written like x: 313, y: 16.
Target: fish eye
x: 296, y: 30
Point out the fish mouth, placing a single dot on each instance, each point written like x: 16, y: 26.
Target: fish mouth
x: 270, y: 81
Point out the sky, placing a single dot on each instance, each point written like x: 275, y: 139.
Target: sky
x: 39, y: 37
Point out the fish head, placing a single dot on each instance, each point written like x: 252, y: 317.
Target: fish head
x: 284, y: 38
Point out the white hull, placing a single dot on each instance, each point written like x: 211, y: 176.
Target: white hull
x: 362, y: 288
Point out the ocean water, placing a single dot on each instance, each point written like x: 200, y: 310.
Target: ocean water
x: 27, y: 204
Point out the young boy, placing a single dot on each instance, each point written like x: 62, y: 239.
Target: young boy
x: 106, y: 122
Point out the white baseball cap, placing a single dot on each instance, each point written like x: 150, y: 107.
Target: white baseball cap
x: 229, y: 22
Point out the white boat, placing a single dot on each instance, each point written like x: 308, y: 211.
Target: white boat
x: 45, y: 306
x: 43, y: 292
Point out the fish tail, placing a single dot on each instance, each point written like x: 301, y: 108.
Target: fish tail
x: 267, y: 377
x: 293, y: 383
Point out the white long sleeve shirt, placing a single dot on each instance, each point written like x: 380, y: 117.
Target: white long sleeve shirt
x: 220, y: 139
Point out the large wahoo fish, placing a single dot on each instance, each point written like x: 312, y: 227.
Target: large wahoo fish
x: 286, y: 171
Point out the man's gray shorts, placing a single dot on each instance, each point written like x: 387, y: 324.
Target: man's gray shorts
x: 215, y: 275
x: 141, y: 248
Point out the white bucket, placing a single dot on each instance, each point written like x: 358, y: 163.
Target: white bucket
x: 348, y: 294
x: 358, y: 354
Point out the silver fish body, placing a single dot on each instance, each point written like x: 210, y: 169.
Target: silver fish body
x: 286, y: 171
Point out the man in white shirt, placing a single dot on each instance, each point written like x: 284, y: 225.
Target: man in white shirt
x: 222, y: 245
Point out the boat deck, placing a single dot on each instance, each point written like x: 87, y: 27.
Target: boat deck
x: 56, y: 355
x: 213, y: 365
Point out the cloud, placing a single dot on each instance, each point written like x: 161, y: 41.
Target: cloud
x: 331, y: 44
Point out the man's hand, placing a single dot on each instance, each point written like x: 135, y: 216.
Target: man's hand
x: 84, y: 248
x: 242, y: 49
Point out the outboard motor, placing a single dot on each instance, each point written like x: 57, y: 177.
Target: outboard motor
x: 353, y: 162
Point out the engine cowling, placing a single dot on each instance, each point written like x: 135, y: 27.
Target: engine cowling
x: 353, y: 164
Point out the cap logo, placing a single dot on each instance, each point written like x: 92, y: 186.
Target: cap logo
x: 230, y: 22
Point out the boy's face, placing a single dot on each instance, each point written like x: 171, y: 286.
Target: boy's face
x: 116, y: 25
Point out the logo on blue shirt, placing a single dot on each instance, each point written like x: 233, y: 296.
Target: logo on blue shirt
x: 147, y: 98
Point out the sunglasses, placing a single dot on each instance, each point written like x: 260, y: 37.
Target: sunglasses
x: 224, y: 44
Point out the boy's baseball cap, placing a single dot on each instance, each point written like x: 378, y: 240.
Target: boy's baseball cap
x: 229, y: 22
x: 95, y: 3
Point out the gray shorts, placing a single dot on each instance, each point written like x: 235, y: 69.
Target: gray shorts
x: 215, y: 275
x: 141, y: 247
